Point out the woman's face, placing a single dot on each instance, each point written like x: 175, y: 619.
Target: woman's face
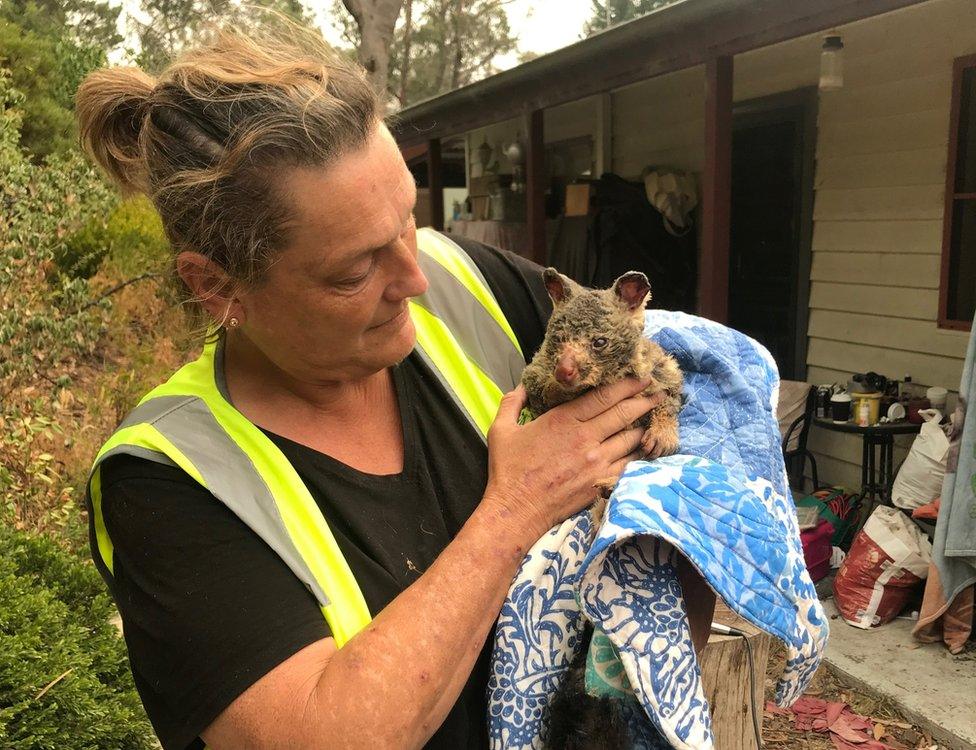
x: 333, y: 306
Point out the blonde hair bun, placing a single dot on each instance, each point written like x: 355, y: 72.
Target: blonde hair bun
x: 111, y: 106
x: 212, y: 139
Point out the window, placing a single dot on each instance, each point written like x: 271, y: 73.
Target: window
x: 957, y: 289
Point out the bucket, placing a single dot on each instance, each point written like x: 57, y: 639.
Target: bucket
x: 937, y: 398
x: 866, y: 408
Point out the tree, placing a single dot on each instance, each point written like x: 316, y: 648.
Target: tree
x: 87, y: 22
x: 375, y: 22
x: 46, y: 65
x: 440, y: 45
x: 455, y: 43
x: 170, y: 25
x: 619, y: 11
x: 407, y: 42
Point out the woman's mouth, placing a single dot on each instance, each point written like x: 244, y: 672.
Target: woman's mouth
x: 396, y: 320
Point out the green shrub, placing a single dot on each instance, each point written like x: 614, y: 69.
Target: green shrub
x: 64, y: 676
x: 82, y: 252
x: 132, y: 237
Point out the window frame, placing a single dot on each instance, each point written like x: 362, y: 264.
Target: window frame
x: 959, y: 65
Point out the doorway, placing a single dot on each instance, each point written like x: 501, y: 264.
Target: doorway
x: 771, y: 224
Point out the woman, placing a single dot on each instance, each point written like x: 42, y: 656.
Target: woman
x: 289, y: 209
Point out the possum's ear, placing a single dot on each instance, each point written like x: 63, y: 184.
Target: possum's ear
x: 632, y: 290
x: 560, y: 288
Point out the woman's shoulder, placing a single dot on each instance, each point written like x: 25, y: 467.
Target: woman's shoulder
x: 127, y: 468
x: 517, y: 284
x: 138, y: 494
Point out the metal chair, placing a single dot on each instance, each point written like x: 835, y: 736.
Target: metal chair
x: 795, y: 451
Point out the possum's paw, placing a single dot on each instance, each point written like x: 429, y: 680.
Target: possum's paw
x: 598, y: 509
x: 660, y: 439
x: 605, y: 487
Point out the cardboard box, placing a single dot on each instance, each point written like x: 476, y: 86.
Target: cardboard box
x: 577, y: 200
x: 480, y: 205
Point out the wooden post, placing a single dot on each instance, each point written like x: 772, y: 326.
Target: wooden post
x: 713, y: 266
x: 726, y: 680
x: 535, y: 188
x: 435, y: 184
x: 604, y: 135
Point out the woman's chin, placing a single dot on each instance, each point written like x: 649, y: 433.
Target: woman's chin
x: 398, y: 345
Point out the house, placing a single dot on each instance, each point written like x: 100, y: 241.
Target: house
x: 836, y: 225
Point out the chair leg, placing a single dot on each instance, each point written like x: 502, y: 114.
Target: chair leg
x: 813, y: 471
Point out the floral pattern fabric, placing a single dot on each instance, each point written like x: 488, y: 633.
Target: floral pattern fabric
x: 723, y: 503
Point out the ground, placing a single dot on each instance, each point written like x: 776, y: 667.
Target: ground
x: 893, y: 728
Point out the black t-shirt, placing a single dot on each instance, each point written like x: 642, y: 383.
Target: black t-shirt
x: 208, y: 608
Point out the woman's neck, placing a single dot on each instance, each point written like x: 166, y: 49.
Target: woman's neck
x: 352, y: 420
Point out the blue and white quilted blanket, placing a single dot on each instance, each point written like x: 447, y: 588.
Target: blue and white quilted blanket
x: 723, y: 503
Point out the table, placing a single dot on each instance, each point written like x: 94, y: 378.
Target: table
x: 877, y: 456
x: 508, y: 235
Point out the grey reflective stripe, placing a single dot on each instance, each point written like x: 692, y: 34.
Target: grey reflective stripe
x: 229, y: 474
x: 136, y: 450
x: 220, y: 377
x: 478, y: 333
x: 154, y: 409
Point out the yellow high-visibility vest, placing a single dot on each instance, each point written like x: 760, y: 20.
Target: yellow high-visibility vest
x: 190, y: 423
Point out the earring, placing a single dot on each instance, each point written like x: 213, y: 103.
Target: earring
x: 233, y: 323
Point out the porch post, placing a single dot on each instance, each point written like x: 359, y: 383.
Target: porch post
x: 604, y: 135
x: 713, y: 266
x: 535, y: 188
x: 435, y: 183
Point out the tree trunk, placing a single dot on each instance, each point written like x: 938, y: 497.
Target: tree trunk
x: 376, y: 20
x: 444, y: 9
x: 458, y: 50
x: 405, y: 66
x: 726, y: 679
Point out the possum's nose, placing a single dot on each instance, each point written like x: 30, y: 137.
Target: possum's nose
x: 566, y: 371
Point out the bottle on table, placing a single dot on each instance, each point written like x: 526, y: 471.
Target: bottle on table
x: 906, y: 391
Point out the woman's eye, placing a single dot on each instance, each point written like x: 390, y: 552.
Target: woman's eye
x: 354, y: 281
x: 599, y: 342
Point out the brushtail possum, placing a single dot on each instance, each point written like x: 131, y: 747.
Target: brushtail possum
x: 596, y: 337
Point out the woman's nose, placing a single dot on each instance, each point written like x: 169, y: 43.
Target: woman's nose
x: 408, y: 278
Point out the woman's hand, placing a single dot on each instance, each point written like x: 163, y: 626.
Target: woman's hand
x: 544, y: 471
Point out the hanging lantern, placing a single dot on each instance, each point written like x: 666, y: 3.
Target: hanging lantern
x: 832, y: 64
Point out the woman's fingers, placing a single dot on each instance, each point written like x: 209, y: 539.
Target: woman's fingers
x: 621, y: 415
x: 617, y: 468
x: 510, y: 407
x: 623, y: 443
x: 601, y: 399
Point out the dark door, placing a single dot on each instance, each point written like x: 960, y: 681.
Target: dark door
x: 770, y: 227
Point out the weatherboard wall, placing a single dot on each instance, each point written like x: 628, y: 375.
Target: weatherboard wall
x: 882, y: 145
x: 881, y: 151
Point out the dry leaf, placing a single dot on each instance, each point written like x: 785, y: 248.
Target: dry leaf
x: 890, y: 723
x: 879, y: 731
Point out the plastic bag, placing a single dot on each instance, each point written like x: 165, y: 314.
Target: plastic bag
x: 888, y: 560
x: 919, y: 480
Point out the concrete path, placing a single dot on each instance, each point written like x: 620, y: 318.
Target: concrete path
x: 928, y: 685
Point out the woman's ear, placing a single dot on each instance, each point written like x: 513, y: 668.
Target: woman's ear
x: 210, y: 285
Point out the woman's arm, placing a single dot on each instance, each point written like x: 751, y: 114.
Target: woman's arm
x: 393, y: 683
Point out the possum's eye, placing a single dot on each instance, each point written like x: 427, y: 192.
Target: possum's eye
x: 599, y: 342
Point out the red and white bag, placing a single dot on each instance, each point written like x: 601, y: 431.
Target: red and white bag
x: 888, y: 559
